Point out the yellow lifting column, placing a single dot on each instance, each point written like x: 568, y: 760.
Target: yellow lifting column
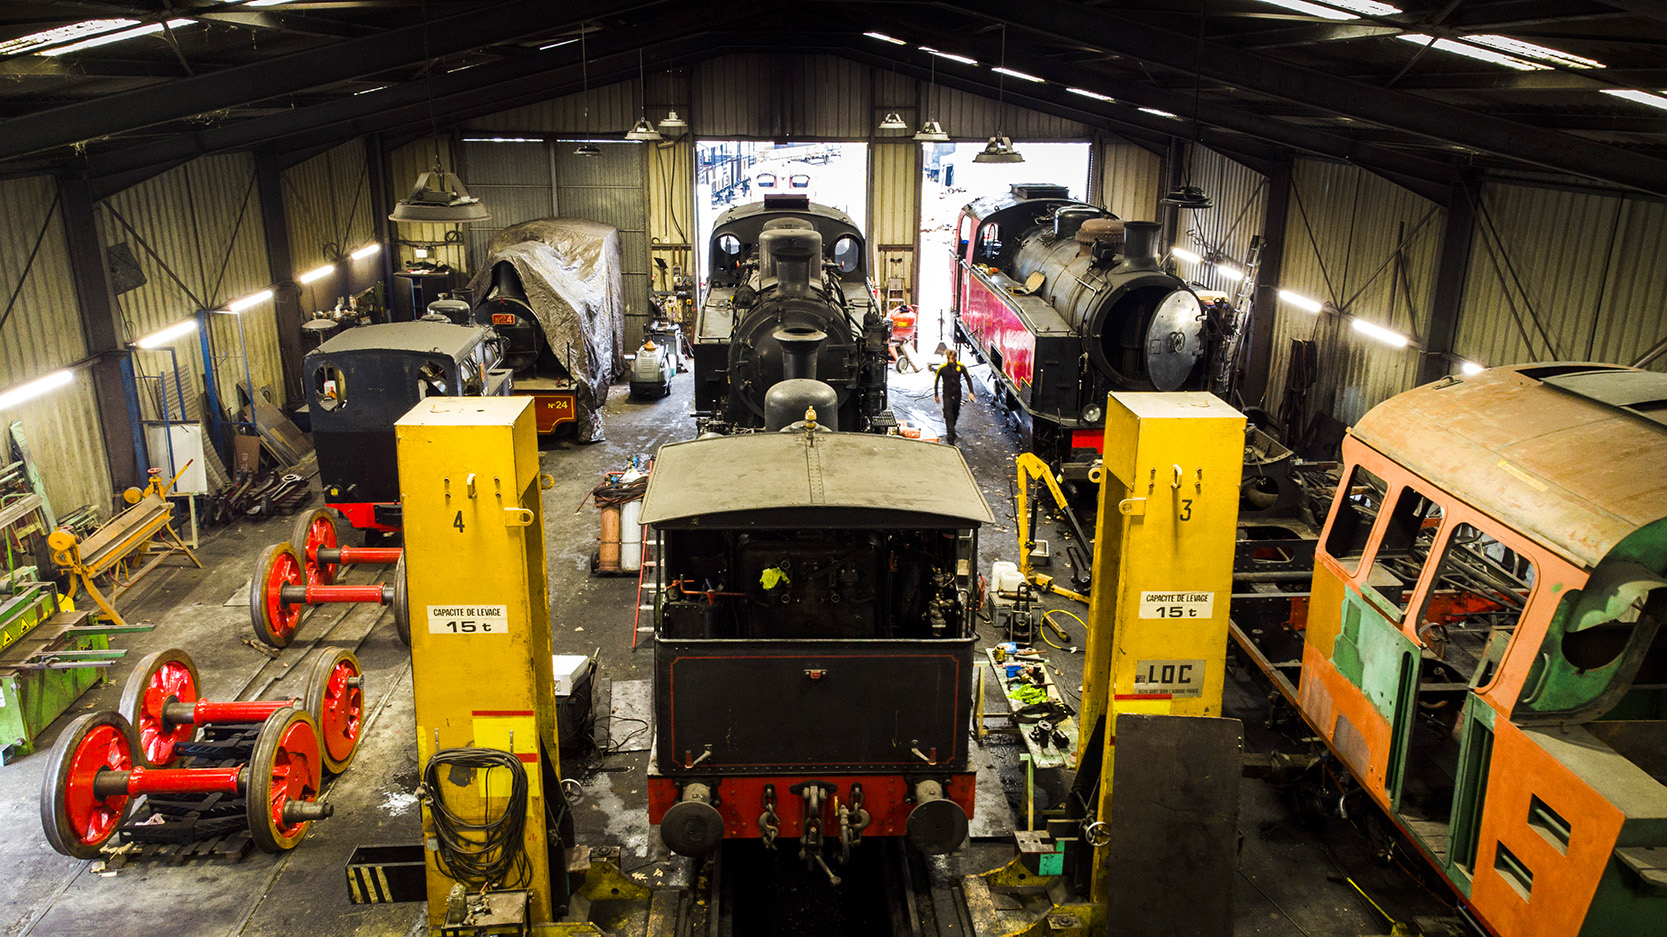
x: 480, y: 621
x: 1163, y: 567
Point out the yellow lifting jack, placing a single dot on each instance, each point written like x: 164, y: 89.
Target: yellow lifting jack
x: 1031, y: 468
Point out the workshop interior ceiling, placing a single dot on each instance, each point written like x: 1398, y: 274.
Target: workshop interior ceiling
x: 1419, y: 91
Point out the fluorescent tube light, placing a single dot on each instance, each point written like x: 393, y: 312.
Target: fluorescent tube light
x: 885, y: 38
x: 1185, y: 255
x: 1380, y: 333
x: 35, y: 388
x: 1014, y: 73
x: 367, y: 251
x: 317, y: 273
x: 105, y: 39
x: 164, y: 336
x: 1475, y: 52
x: 1301, y: 302
x: 253, y: 299
x: 1091, y: 94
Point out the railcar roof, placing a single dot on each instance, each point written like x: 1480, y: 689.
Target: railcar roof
x: 835, y: 479
x: 1569, y: 453
x: 442, y: 338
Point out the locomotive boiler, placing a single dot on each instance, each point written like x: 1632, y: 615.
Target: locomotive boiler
x: 813, y: 633
x: 1067, y: 302
x: 787, y: 263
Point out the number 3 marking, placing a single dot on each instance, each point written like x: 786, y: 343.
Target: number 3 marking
x: 1186, y: 512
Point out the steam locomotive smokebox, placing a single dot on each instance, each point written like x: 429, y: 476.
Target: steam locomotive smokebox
x: 787, y: 402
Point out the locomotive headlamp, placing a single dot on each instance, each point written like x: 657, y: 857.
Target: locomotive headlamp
x: 1092, y: 413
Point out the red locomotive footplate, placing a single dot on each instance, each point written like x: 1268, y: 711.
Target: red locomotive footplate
x: 552, y: 410
x: 740, y: 800
x: 1094, y: 439
x: 362, y: 515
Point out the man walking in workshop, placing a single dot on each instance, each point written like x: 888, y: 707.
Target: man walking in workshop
x: 951, y: 373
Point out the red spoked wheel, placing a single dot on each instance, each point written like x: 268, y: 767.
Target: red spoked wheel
x: 274, y: 619
x: 313, y: 530
x: 161, y: 678
x: 336, y: 698
x: 77, y: 821
x: 287, y: 768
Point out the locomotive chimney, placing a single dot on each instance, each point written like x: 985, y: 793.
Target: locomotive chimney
x: 798, y: 351
x: 1140, y: 245
x: 796, y: 256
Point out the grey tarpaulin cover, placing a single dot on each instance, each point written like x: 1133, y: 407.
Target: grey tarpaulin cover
x: 570, y: 270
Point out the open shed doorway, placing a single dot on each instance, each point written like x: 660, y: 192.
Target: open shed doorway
x: 734, y: 172
x: 952, y: 180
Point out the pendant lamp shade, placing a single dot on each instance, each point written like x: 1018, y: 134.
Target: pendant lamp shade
x: 1188, y: 196
x: 932, y: 132
x: 439, y: 198
x: 998, y: 150
x: 643, y: 131
x: 673, y: 124
x: 893, y: 121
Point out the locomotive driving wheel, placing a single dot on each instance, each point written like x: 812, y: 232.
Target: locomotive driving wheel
x: 313, y: 530
x: 274, y: 619
x: 335, y: 697
x: 77, y: 821
x: 285, y: 775
x: 167, y: 676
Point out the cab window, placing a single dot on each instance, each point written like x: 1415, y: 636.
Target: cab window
x: 1358, y: 503
x: 1474, y: 605
x: 1408, y: 535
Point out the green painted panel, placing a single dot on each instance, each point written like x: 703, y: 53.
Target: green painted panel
x: 1345, y: 651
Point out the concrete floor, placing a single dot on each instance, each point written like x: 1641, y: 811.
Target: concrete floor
x: 1283, y: 887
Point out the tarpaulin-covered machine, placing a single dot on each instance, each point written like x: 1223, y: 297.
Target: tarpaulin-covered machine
x: 552, y: 288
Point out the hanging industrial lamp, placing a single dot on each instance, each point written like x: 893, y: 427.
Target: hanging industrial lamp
x: 439, y: 197
x: 642, y: 131
x: 893, y: 121
x: 932, y: 131
x: 673, y: 124
x: 1000, y: 149
x: 585, y: 149
x: 1187, y: 195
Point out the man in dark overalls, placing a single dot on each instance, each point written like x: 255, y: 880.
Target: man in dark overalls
x: 950, y: 374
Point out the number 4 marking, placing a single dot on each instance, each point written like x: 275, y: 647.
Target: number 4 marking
x: 1186, y: 510
x: 459, y: 522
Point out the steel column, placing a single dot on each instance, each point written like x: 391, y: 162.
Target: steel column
x: 1451, y: 269
x: 91, y: 271
x: 286, y: 296
x: 1265, y: 306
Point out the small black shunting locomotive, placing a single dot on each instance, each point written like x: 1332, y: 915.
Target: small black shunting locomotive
x: 814, y: 630
x: 363, y: 380
x: 787, y: 263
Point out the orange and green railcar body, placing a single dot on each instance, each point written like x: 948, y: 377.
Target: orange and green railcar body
x: 1483, y: 648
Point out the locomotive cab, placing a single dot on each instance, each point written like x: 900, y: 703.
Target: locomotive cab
x: 363, y: 380
x: 814, y: 631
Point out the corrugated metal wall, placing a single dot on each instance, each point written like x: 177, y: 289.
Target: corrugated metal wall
x: 517, y: 183
x: 1344, y: 224
x: 894, y: 172
x: 42, y: 333
x: 1564, y: 275
x: 327, y: 211
x: 671, y: 206
x: 1130, y: 179
x: 1240, y: 197
x: 444, y: 242
x: 196, y: 231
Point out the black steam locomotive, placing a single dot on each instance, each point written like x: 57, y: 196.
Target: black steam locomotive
x: 813, y: 632
x: 363, y: 380
x: 1067, y: 302
x: 788, y: 264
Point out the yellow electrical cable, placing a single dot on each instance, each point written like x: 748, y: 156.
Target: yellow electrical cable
x: 1060, y: 611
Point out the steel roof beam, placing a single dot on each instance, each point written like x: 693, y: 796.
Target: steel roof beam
x: 1227, y: 117
x: 1263, y: 75
x: 297, y: 71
